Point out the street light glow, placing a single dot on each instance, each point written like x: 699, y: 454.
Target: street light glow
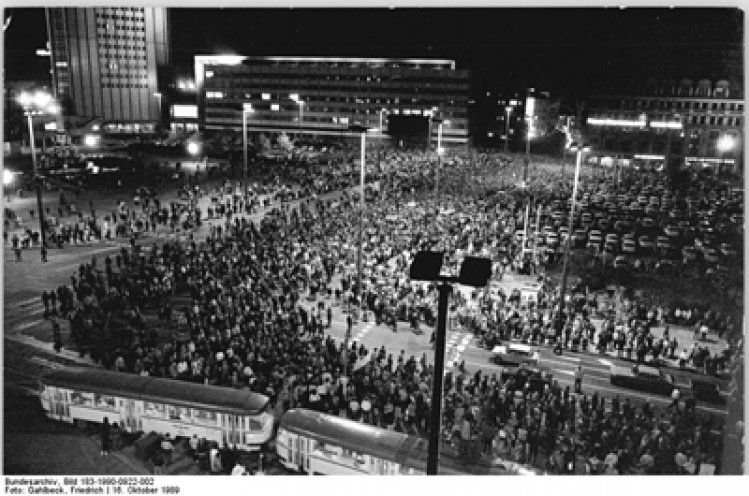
x: 193, y: 148
x: 91, y: 140
x: 726, y: 143
x: 7, y: 177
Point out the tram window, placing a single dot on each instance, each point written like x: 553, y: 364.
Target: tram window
x: 204, y: 416
x: 174, y: 413
x: 79, y: 398
x: 156, y: 409
x: 254, y: 425
x: 104, y: 401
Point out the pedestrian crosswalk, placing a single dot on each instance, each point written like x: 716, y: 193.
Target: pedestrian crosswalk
x: 456, y: 344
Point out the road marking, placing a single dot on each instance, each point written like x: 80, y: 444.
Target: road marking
x: 564, y: 371
x: 570, y: 359
x: 44, y: 346
x: 27, y: 391
x: 45, y: 363
x: 27, y: 325
x: 605, y: 362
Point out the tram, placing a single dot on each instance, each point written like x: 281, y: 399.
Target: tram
x: 320, y: 444
x: 240, y: 419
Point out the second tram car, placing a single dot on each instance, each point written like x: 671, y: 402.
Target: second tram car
x: 241, y: 419
x: 320, y: 444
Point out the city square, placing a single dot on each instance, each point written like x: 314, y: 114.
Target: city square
x: 287, y: 261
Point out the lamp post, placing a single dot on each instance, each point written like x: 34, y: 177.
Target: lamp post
x: 37, y: 104
x: 158, y: 96
x: 725, y: 144
x: 508, y: 110
x: 579, y: 150
x: 246, y: 109
x: 474, y: 272
x: 362, y: 130
x: 440, y: 152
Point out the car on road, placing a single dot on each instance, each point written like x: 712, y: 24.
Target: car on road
x: 537, y: 378
x: 643, y: 378
x: 514, y: 354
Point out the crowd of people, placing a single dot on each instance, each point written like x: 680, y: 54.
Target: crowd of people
x: 248, y: 307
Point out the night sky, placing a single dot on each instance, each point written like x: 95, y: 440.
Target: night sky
x: 562, y: 50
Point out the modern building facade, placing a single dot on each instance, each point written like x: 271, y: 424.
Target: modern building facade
x: 105, y: 64
x: 684, y: 124
x: 325, y: 95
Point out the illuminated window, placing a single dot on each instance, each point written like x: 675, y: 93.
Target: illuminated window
x: 204, y: 416
x: 275, y: 107
x: 266, y: 96
x: 208, y: 74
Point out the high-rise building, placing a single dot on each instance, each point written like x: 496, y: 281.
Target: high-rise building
x: 325, y: 95
x: 106, y: 61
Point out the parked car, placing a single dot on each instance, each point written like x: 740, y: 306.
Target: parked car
x: 663, y: 243
x: 643, y: 378
x: 515, y: 354
x: 712, y: 256
x: 689, y: 253
x: 594, y: 239
x: 646, y: 242
x: 629, y: 246
x: 728, y: 250
x: 620, y: 262
x: 671, y: 231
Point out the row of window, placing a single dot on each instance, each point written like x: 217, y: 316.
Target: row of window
x: 123, y: 85
x: 679, y: 104
x: 121, y: 45
x: 316, y: 98
x: 119, y: 13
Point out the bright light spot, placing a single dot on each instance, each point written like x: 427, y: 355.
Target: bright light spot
x: 41, y: 99
x: 294, y: 96
x: 275, y: 107
x: 247, y: 107
x: 91, y: 140
x: 193, y: 148
x: 7, y: 177
x: 440, y: 150
x: 53, y: 109
x: 24, y: 99
x: 95, y: 127
x: 726, y: 143
x: 265, y: 96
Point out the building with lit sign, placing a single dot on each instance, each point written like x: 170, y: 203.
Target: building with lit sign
x: 105, y: 64
x: 325, y: 95
x: 680, y: 125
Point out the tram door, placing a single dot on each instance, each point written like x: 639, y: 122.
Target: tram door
x: 59, y: 407
x: 302, y: 453
x: 232, y: 431
x: 129, y: 417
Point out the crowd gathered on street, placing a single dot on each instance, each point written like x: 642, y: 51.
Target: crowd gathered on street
x: 248, y: 305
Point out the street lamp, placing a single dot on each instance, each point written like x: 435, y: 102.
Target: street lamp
x: 508, y: 110
x: 440, y: 152
x: 382, y: 111
x: 193, y: 148
x: 295, y: 98
x: 579, y: 150
x: 158, y: 96
x: 246, y: 109
x: 474, y: 272
x: 39, y: 103
x: 725, y: 144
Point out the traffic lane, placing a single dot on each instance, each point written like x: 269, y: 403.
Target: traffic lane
x: 547, y: 353
x: 595, y: 378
